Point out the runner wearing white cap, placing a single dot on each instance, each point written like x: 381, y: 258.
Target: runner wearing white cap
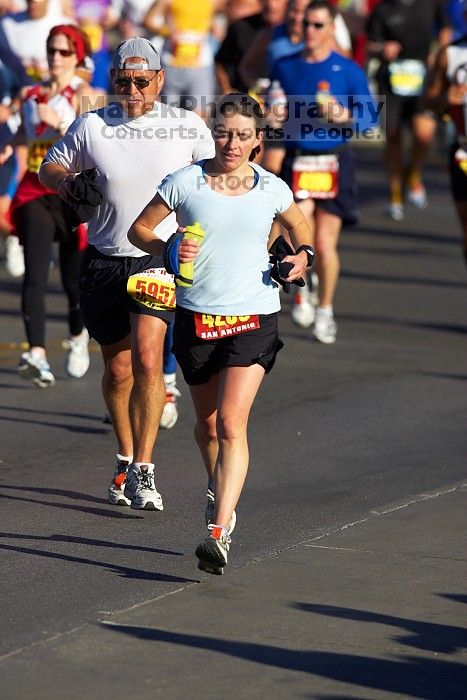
x: 127, y: 297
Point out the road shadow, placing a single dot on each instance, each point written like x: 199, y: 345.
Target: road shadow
x: 429, y: 636
x: 456, y: 597
x: 102, y: 512
x: 123, y: 571
x: 60, y: 426
x: 63, y: 414
x: 430, y: 679
x: 88, y: 541
x: 396, y: 279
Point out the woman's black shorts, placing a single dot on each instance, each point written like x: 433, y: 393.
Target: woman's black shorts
x: 200, y: 359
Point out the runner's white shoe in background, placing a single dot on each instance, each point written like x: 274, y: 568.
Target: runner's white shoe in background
x: 302, y: 311
x: 14, y: 256
x: 77, y: 361
x: 325, y: 329
x: 141, y: 490
x: 170, y: 412
x: 418, y: 197
x: 36, y: 369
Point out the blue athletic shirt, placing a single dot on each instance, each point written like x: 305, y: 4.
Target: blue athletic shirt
x: 232, y: 271
x: 304, y: 130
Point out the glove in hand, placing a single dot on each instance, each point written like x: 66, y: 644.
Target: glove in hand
x: 279, y: 270
x: 81, y: 194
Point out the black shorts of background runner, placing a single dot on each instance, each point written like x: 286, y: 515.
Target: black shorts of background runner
x: 39, y: 223
x: 104, y: 300
x: 401, y: 110
x: 200, y: 359
x: 458, y: 177
x: 345, y: 204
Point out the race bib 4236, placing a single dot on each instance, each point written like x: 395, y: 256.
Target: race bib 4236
x: 212, y: 327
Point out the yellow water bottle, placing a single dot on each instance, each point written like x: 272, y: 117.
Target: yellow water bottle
x: 185, y: 275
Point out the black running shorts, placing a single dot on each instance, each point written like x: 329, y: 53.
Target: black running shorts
x: 104, y: 300
x: 200, y: 359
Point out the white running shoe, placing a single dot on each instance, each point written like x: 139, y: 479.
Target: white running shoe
x: 35, y: 369
x: 170, y: 413
x: 212, y: 552
x: 116, y: 488
x: 209, y: 512
x: 396, y: 212
x: 418, y: 197
x: 325, y: 329
x: 77, y: 361
x: 141, y: 490
x: 302, y: 311
x: 14, y: 256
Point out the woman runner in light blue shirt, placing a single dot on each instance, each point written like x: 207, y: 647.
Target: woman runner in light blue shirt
x: 225, y: 336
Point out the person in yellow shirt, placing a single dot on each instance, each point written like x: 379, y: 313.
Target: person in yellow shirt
x: 187, y: 54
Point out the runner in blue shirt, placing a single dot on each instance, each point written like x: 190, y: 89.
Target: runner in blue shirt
x: 329, y: 104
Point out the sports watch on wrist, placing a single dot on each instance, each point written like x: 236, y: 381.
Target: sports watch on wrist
x: 310, y: 253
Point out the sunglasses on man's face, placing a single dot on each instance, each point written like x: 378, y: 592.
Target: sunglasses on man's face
x: 140, y: 83
x: 315, y: 25
x: 66, y: 53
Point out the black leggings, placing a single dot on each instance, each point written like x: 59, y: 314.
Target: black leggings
x: 39, y: 223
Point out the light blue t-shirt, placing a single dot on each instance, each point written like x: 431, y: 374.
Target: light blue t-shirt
x: 232, y: 271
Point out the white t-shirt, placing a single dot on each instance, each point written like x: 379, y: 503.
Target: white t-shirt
x: 132, y: 156
x: 232, y: 270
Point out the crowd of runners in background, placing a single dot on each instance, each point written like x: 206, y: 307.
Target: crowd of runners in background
x: 324, y: 74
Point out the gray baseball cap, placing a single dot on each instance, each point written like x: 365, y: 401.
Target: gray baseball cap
x: 136, y: 48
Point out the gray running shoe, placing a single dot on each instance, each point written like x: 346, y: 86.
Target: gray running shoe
x: 325, y: 328
x: 212, y: 552
x: 141, y: 490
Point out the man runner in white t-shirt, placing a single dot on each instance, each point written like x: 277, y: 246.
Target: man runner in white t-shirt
x: 127, y: 297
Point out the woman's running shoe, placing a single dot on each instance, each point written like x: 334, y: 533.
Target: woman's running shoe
x: 212, y: 552
x: 36, y: 369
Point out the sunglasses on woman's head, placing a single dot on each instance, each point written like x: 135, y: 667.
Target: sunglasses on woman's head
x: 140, y: 83
x: 66, y: 53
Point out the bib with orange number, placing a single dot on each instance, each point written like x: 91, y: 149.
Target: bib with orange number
x: 315, y: 177
x: 36, y: 153
x: 460, y: 157
x: 153, y: 288
x: 212, y: 327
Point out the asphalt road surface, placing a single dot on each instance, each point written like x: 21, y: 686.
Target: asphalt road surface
x: 336, y: 433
